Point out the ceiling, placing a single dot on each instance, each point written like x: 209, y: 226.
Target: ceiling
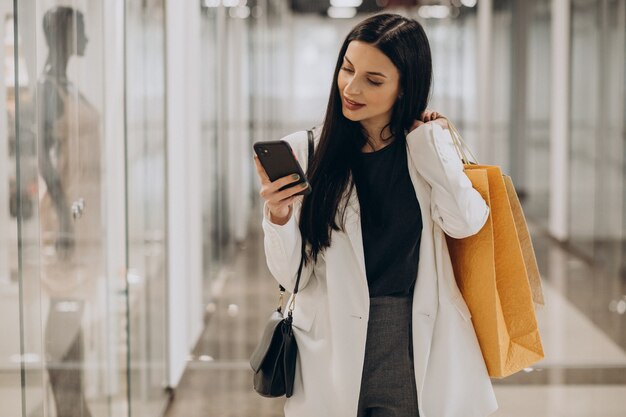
x: 368, y: 6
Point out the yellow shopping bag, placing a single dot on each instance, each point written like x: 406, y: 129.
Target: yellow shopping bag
x: 497, y: 274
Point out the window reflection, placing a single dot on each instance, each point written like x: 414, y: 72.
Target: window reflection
x: 66, y: 272
x: 11, y: 191
x: 70, y: 213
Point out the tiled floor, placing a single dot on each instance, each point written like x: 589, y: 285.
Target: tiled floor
x: 583, y: 327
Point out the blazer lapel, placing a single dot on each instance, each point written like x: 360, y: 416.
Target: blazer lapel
x: 426, y: 291
x: 353, y: 229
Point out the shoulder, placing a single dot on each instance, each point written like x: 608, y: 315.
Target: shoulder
x: 430, y: 139
x: 299, y: 140
x: 423, y: 131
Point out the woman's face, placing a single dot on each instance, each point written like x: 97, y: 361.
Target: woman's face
x: 370, y: 79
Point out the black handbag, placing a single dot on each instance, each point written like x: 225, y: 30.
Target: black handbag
x: 274, y: 359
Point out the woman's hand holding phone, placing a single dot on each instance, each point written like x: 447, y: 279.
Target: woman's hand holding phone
x: 279, y: 202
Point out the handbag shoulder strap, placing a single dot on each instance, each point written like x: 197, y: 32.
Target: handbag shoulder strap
x: 302, y: 249
x: 311, y: 150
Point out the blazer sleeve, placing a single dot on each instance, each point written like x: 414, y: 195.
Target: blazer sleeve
x: 282, y: 243
x: 456, y: 206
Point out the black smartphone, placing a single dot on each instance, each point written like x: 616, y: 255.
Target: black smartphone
x: 278, y: 160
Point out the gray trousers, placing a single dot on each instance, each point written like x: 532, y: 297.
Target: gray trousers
x: 388, y: 382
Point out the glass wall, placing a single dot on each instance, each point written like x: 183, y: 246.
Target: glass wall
x: 597, y: 163
x: 83, y: 294
x: 146, y: 204
x: 520, y: 102
x: 585, y: 110
x: 82, y: 186
x: 214, y: 217
x: 454, y: 48
x: 533, y: 165
x: 21, y: 346
x: 226, y: 100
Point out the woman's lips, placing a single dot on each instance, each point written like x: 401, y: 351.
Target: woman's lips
x: 352, y: 105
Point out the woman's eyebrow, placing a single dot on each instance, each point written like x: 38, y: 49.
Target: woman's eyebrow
x: 369, y: 72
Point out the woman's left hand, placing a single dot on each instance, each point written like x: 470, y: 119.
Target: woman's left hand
x: 431, y: 116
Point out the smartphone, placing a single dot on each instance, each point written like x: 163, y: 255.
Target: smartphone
x: 278, y: 160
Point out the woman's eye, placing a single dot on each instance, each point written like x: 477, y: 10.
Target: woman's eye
x: 369, y: 81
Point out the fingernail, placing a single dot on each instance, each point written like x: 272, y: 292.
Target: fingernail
x: 304, y: 185
x: 295, y: 176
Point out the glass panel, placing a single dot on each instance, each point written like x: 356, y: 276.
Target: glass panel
x: 62, y: 268
x: 145, y: 144
x: 503, y: 91
x: 620, y: 38
x: 585, y: 78
x: 453, y: 44
x: 611, y: 181
x: 213, y: 215
x: 20, y: 349
x: 221, y: 46
x: 537, y: 122
x: 597, y: 130
x: 237, y: 141
x: 84, y: 292
x: 29, y: 251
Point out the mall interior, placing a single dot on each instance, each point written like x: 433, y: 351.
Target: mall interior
x: 133, y: 279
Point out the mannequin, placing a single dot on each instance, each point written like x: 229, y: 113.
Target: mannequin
x: 70, y: 213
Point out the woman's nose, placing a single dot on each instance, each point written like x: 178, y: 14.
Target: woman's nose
x: 352, y: 88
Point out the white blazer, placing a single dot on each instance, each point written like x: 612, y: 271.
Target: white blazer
x: 331, y: 311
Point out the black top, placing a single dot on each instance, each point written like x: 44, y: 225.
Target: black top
x: 391, y: 221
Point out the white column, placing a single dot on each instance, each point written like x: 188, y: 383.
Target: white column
x: 194, y: 72
x: 7, y: 232
x: 484, y: 80
x: 183, y: 181
x: 559, y: 120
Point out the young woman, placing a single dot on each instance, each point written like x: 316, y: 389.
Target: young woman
x: 381, y: 326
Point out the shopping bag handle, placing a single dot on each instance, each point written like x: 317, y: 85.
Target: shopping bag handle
x: 462, y: 149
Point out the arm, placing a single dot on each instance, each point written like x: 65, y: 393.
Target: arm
x: 283, y: 240
x: 282, y: 245
x: 456, y: 206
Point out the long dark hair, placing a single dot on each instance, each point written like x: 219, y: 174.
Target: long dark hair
x: 404, y: 42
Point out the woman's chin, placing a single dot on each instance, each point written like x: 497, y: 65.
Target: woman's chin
x: 350, y: 115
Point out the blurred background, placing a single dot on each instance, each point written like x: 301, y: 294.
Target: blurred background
x: 132, y: 274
